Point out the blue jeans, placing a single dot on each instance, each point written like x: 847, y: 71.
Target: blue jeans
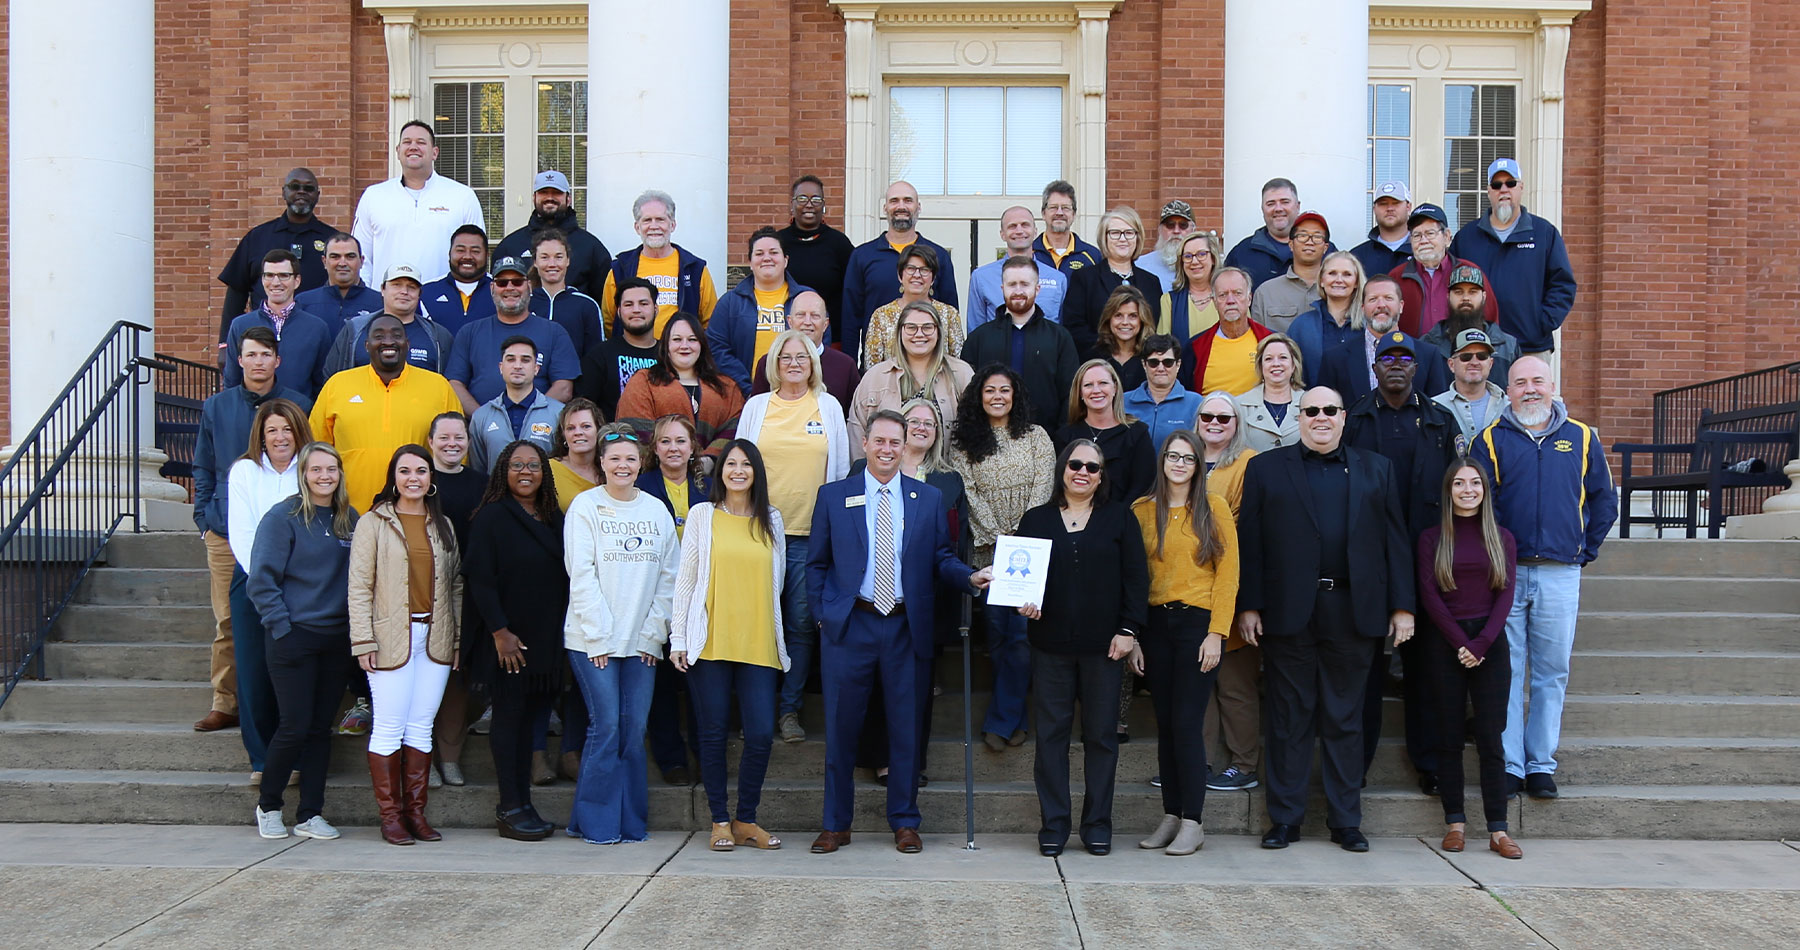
x: 710, y: 683
x: 798, y: 628
x: 258, y: 713
x: 612, y: 796
x: 1540, y: 633
x: 1011, y: 657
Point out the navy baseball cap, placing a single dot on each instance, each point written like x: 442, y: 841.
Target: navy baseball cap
x: 1427, y: 212
x: 513, y: 264
x: 1396, y: 341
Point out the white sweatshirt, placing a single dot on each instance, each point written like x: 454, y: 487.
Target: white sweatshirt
x: 622, y: 559
x: 251, y: 489
x: 398, y: 225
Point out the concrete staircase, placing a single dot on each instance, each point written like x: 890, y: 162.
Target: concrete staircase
x: 1683, y: 720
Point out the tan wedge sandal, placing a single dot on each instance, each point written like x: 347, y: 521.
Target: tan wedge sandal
x: 749, y: 833
x: 721, y: 837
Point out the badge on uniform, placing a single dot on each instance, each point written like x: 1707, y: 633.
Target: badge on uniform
x: 541, y: 428
x: 856, y: 501
x: 319, y: 246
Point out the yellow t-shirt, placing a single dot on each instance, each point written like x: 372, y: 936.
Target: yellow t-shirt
x: 665, y: 273
x: 568, y: 484
x: 366, y: 420
x: 740, y: 602
x: 794, y: 450
x: 678, y: 500
x: 771, y: 318
x: 1231, y: 366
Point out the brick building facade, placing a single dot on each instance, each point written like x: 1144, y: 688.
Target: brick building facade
x: 1680, y: 122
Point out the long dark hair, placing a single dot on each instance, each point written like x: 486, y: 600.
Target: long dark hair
x: 1057, y: 495
x: 759, y: 488
x: 543, y: 502
x: 1199, y: 508
x: 972, y: 433
x: 434, y: 508
x: 1444, y: 563
x: 662, y: 372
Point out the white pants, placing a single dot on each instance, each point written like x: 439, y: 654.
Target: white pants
x: 406, y: 699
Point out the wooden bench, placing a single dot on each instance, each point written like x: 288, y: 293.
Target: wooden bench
x: 1726, y: 447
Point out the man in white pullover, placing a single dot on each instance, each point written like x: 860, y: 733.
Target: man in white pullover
x: 410, y: 219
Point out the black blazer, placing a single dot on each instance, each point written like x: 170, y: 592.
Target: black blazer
x: 1088, y: 289
x: 516, y: 579
x: 1434, y: 448
x: 1099, y: 583
x: 1278, y: 542
x: 1130, y: 458
x: 1345, y: 371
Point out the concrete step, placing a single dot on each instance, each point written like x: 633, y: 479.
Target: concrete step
x: 1723, y: 673
x: 1641, y: 760
x: 118, y: 622
x: 156, y: 549
x: 147, y: 586
x: 1757, y: 717
x: 138, y: 661
x: 173, y: 797
x: 116, y: 700
x: 1698, y: 558
x: 1629, y: 630
x: 1607, y: 592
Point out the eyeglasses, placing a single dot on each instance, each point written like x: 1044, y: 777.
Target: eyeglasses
x: 1092, y: 468
x: 809, y: 201
x: 1498, y: 185
x: 300, y: 186
x: 920, y: 424
x: 1193, y: 257
x: 509, y: 282
x: 1472, y: 357
x: 533, y: 467
x: 1180, y: 457
x: 917, y: 329
x: 1427, y: 234
x: 1310, y: 237
x: 616, y: 436
x: 1160, y: 362
x: 1120, y: 235
x: 913, y: 270
x: 1390, y: 359
x: 1219, y: 417
x: 278, y: 276
x: 793, y: 359
x: 1313, y: 411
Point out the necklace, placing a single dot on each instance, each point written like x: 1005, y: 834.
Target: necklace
x: 1076, y: 520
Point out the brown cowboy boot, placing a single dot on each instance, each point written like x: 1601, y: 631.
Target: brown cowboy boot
x: 384, y: 774
x: 417, y: 766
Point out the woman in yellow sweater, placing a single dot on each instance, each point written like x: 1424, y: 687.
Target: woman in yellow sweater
x: 1191, y: 543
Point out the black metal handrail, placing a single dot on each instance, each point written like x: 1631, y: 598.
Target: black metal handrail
x: 1675, y: 415
x: 71, y: 482
x: 182, y: 387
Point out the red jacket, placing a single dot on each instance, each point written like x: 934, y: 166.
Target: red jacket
x: 1412, y: 294
x: 1197, y: 352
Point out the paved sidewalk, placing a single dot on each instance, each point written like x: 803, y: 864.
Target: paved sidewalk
x: 161, y: 886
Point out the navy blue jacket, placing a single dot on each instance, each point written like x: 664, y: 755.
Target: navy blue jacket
x: 650, y: 481
x: 872, y: 279
x: 688, y: 270
x: 443, y: 303
x: 1530, y: 274
x: 1316, y: 334
x: 1083, y: 255
x: 337, y: 309
x: 1554, y: 492
x: 589, y: 260
x: 1344, y: 369
x: 1263, y: 257
x: 1375, y: 256
x: 839, y: 550
x: 299, y: 572
x: 731, y: 331
x: 576, y: 312
x: 225, y: 420
x: 303, y: 344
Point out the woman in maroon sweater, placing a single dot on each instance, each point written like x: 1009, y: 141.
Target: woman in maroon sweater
x: 1466, y: 577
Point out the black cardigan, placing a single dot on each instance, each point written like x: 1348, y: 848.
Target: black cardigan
x: 1130, y: 458
x: 1088, y: 289
x: 1099, y: 581
x: 516, y: 579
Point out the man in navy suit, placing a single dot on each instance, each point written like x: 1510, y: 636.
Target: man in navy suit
x: 879, y: 539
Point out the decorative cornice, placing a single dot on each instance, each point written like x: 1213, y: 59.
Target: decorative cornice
x: 1438, y: 23
x: 503, y: 21
x: 954, y: 18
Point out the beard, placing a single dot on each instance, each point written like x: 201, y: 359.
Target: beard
x: 1382, y: 325
x: 1504, y: 213
x: 1460, y: 320
x: 1533, y: 414
x: 1170, y: 251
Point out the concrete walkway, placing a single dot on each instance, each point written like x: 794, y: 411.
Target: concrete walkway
x: 160, y: 886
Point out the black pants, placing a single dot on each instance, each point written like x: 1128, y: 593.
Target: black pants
x: 1485, y: 688
x: 670, y: 707
x: 1179, y: 693
x: 306, y: 670
x: 1415, y: 694
x: 1315, y: 688
x: 509, y: 739
x: 1059, y: 681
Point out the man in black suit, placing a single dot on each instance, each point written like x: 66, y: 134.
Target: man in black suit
x: 1327, y: 572
x: 1349, y: 367
x: 1418, y: 437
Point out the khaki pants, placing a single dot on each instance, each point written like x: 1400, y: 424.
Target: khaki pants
x: 1234, y: 714
x: 219, y: 565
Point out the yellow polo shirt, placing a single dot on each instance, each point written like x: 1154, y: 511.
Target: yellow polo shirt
x: 366, y: 420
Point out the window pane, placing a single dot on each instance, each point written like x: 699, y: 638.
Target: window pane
x: 1459, y: 110
x: 450, y: 109
x: 1497, y: 112
x: 562, y: 133
x: 1393, y: 160
x: 1389, y: 156
x: 470, y: 120
x: 916, y: 137
x: 1034, y: 124
x: 1480, y: 124
x: 1393, y: 111
x: 976, y: 133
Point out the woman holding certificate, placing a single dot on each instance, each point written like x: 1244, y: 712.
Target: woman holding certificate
x: 1095, y: 598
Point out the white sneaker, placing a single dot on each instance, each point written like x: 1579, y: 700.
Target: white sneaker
x: 268, y: 824
x: 316, y: 827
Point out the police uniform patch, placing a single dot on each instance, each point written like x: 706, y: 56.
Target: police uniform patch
x: 319, y: 246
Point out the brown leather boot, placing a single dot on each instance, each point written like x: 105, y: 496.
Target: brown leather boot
x: 417, y: 767
x: 384, y: 774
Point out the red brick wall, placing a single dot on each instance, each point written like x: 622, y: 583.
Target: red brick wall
x: 1165, y: 124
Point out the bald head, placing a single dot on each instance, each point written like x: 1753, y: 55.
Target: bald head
x: 901, y: 206
x: 1323, y: 431
x: 1018, y: 225
x: 808, y: 315
x: 1530, y: 390
x: 299, y: 193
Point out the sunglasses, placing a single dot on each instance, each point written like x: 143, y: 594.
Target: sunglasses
x: 1160, y: 362
x: 1472, y: 357
x: 1092, y: 468
x: 616, y: 436
x: 1219, y: 417
x: 1389, y: 359
x: 1313, y: 411
x: 509, y: 282
x: 1503, y: 185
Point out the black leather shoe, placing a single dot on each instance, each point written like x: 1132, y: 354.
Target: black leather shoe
x: 1350, y: 839
x: 1428, y: 783
x: 1098, y: 848
x: 1279, y: 836
x: 1050, y: 850
x: 1514, y: 785
x: 537, y: 820
x: 1540, y: 785
x: 517, y: 825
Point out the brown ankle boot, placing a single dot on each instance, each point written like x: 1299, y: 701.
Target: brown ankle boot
x: 384, y: 774
x: 417, y: 766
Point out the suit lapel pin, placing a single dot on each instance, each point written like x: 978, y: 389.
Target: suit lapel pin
x: 912, y: 494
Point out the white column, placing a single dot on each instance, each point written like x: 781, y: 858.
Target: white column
x: 658, y: 104
x: 401, y: 32
x: 862, y: 192
x: 79, y: 188
x: 1296, y: 107
x: 1089, y: 178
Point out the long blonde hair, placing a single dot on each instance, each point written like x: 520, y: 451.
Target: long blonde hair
x: 1078, y: 409
x: 938, y: 362
x: 1199, y: 507
x: 343, y: 517
x: 1444, y: 563
x: 935, y: 459
x: 1356, y: 314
